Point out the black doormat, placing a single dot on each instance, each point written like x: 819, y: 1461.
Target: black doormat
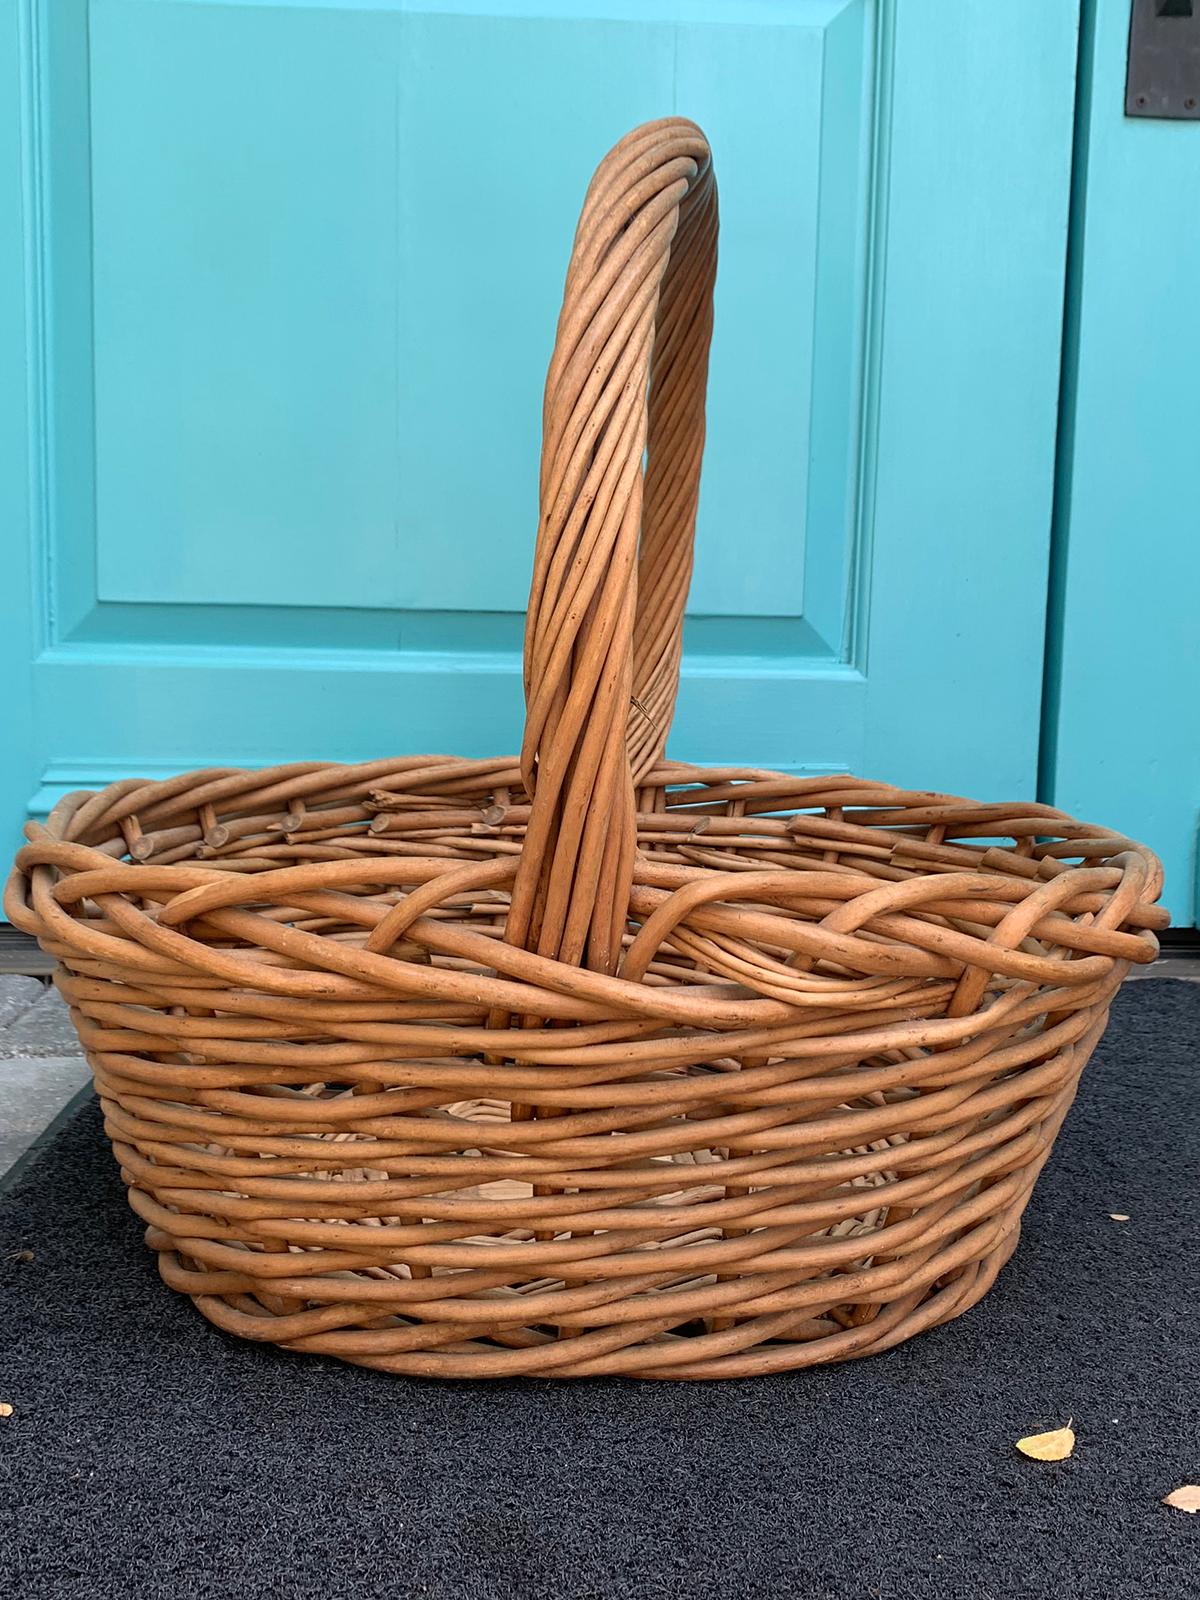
x: 149, y: 1455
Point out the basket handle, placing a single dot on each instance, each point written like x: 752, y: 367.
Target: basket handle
x: 604, y: 631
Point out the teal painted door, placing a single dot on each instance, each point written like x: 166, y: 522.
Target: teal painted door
x: 278, y: 286
x: 1124, y: 670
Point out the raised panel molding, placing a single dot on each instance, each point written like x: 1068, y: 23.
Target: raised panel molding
x: 296, y: 335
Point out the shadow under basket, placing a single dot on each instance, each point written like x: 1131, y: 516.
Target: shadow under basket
x: 586, y: 1062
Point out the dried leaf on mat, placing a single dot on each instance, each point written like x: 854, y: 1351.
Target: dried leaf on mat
x: 1185, y: 1498
x: 1053, y: 1446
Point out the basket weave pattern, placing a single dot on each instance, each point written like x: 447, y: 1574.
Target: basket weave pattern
x: 586, y: 1062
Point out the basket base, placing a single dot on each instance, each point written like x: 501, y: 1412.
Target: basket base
x: 577, y: 1358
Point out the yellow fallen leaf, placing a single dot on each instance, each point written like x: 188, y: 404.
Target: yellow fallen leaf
x: 5, y: 1409
x: 1053, y: 1446
x: 1118, y: 1216
x: 1185, y: 1498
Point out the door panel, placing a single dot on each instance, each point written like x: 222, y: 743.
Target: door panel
x: 1125, y: 658
x: 290, y: 276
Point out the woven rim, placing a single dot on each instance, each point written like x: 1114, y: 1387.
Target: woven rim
x: 586, y: 1062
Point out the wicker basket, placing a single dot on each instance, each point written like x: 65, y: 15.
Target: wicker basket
x: 589, y: 1062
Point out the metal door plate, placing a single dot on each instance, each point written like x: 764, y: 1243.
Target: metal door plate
x: 1163, y: 78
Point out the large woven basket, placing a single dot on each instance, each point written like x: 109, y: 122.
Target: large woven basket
x: 589, y: 1062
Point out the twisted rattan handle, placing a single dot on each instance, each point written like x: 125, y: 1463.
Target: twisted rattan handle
x: 614, y: 555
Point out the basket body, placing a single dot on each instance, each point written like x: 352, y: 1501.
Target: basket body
x: 805, y: 1131
x: 586, y: 1062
